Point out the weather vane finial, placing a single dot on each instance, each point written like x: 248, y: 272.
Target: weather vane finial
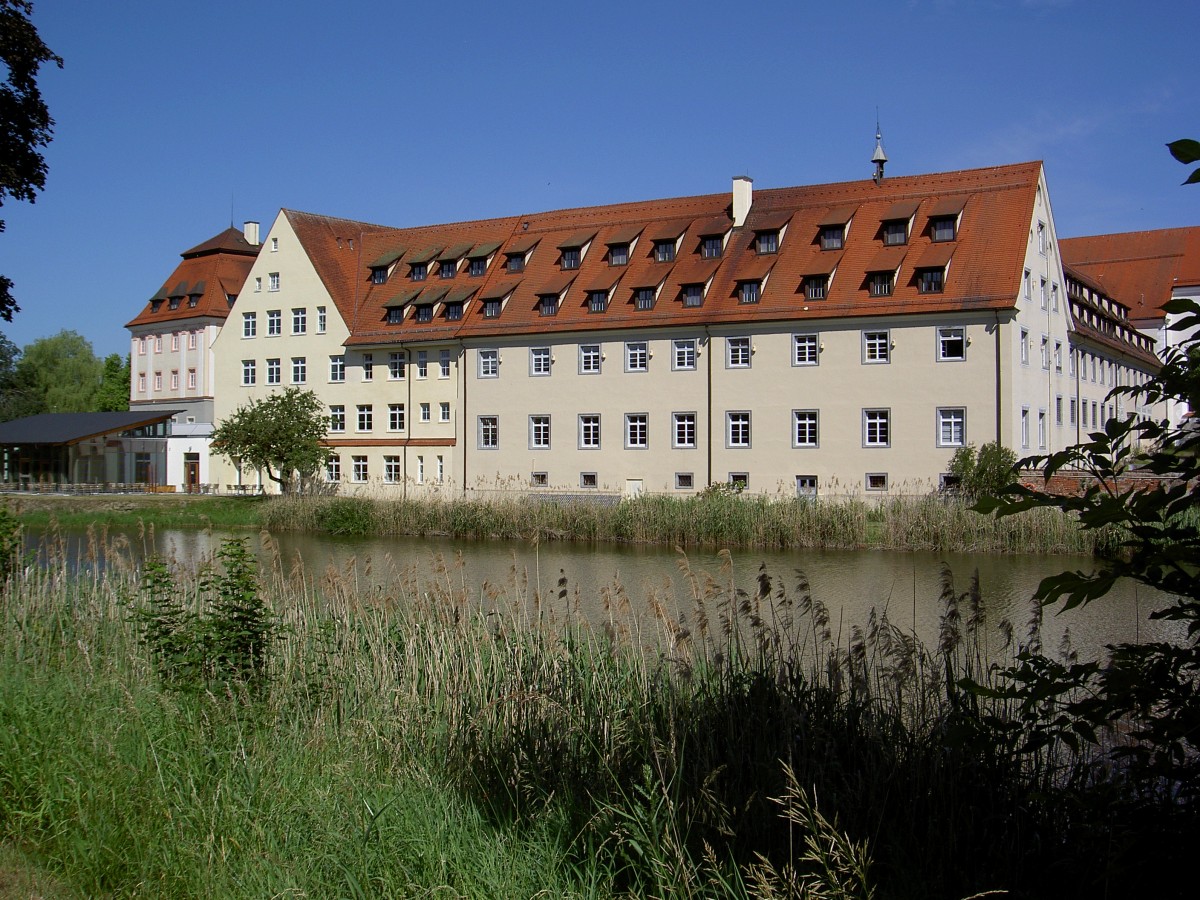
x: 879, y: 158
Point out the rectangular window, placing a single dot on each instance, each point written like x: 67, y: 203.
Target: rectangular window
x: 683, y: 355
x: 539, y: 432
x: 711, y: 247
x: 358, y: 471
x: 877, y: 481
x: 1071, y: 407
x: 895, y: 232
x: 570, y: 258
x: 273, y: 281
x: 333, y: 469
x: 422, y: 363
x: 664, y: 251
x: 425, y: 413
x: 806, y: 485
x: 321, y: 320
x: 175, y: 341
x: 766, y: 242
x: 636, y: 431
x: 1054, y: 297
x: 395, y: 417
x: 444, y: 411
x: 587, y: 479
x: 274, y: 371
x: 337, y: 368
x: 944, y: 228
x: 1024, y: 346
x: 477, y: 267
x: 193, y: 339
x: 643, y: 298
x: 368, y: 367
x: 419, y: 272
x: 877, y: 427
x: 952, y: 343
x: 141, y: 383
x: 1083, y: 413
x: 589, y: 432
x: 489, y: 363
x: 538, y: 479
x: 397, y: 365
x: 931, y: 281
x: 423, y: 312
x: 337, y: 418
x: 739, y: 481
x: 589, y: 359
x: 636, y: 356
x: 158, y: 381
x: 299, y: 321
x: 877, y: 346
x: 366, y: 417
x: 1041, y: 238
x: 805, y: 349
x: 737, y: 433
x: 1045, y: 352
x: 420, y: 470
x: 393, y: 473
x: 274, y: 322
x: 805, y: 431
x: 737, y: 352
x: 1026, y: 285
x: 1025, y: 426
x: 618, y: 254
x: 881, y: 283
x: 684, y: 481
x: 1058, y: 357
x: 516, y: 262
x: 175, y: 380
x: 258, y: 284
x: 447, y: 268
x: 299, y: 369
x: 1058, y: 420
x: 748, y: 291
x: 684, y: 430
x: 1042, y: 429
x: 597, y: 301
x: 816, y: 287
x: 548, y: 305
x: 952, y: 427
x: 1042, y: 293
x: 491, y: 308
x: 191, y: 379
x: 395, y: 315
x: 489, y: 432
x: 693, y: 295
x: 833, y: 237
x: 539, y: 361
x: 454, y: 312
x: 249, y: 325
x: 443, y: 364
x: 247, y: 372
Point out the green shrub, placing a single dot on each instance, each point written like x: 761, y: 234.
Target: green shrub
x: 346, y: 515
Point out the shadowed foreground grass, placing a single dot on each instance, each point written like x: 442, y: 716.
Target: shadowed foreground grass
x: 418, y: 736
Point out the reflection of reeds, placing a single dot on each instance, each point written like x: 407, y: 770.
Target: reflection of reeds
x: 645, y: 749
x: 716, y: 519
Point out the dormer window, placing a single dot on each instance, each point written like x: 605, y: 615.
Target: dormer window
x: 477, y: 267
x: 766, y: 242
x: 516, y: 262
x: 491, y: 308
x: 454, y: 312
x: 816, y: 287
x: 155, y: 305
x: 597, y: 301
x: 895, y: 232
x: 419, y: 272
x: 931, y: 281
x: 693, y: 295
x: 174, y: 304
x: 548, y: 305
x: 944, y: 228
x: 618, y: 255
x: 748, y: 291
x: 881, y: 283
x: 379, y: 275
x: 447, y: 268
x: 833, y: 237
x: 193, y: 301
x: 570, y: 258
x: 424, y: 312
x: 395, y: 315
x: 643, y: 298
x: 712, y: 246
x: 664, y: 251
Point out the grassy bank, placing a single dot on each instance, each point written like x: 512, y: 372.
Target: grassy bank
x: 427, y: 738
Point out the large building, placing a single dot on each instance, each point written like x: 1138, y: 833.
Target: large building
x: 833, y: 339
x: 171, y: 358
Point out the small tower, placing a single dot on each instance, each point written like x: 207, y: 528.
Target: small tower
x: 879, y: 158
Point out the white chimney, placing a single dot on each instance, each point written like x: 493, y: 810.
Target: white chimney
x: 743, y: 196
x: 250, y: 230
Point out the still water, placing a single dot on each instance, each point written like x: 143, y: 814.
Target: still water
x: 906, y: 586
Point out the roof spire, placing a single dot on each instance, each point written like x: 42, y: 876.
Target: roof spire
x: 879, y: 158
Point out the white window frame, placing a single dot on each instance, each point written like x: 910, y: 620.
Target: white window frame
x: 738, y: 352
x: 249, y: 326
x: 337, y: 418
x: 874, y: 420
x: 540, y: 362
x: 337, y: 368
x: 274, y: 370
x: 359, y: 470
x: 811, y: 421
x: 489, y: 363
x: 738, y: 431
x: 487, y: 432
x: 299, y: 370
x: 683, y: 354
x: 637, y: 356
x: 396, y: 417
x: 637, y: 431
x: 877, y: 347
x: 249, y: 372
x: 947, y: 335
x: 589, y: 431
x: 806, y: 349
x: 590, y: 358
x: 952, y: 421
x: 539, y: 431
x: 299, y: 320
x: 683, y: 430
x: 365, y: 417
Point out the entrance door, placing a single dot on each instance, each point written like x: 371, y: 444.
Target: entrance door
x: 191, y: 472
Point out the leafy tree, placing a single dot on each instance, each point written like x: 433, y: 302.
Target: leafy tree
x: 280, y: 434
x: 989, y: 471
x: 63, y: 371
x: 113, y: 395
x: 25, y: 123
x: 18, y: 395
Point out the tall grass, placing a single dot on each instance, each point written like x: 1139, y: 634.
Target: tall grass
x: 421, y: 735
x: 711, y: 520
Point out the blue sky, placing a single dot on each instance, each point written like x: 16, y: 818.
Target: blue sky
x: 175, y: 118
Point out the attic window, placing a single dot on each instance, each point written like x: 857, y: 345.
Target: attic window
x: 881, y: 283
x: 643, y: 298
x: 379, y: 274
x: 424, y: 312
x: 174, y: 304
x: 944, y: 228
x: 597, y: 301
x: 693, y: 295
x: 155, y: 305
x: 419, y: 271
x: 570, y: 258
x: 618, y: 255
x: 711, y: 247
x: 491, y: 308
x: 833, y: 237
x: 477, y: 267
x: 454, y: 311
x: 895, y: 232
x: 395, y: 315
x: 548, y: 305
x: 766, y: 242
x: 748, y: 291
x: 193, y: 301
x: 816, y: 287
x: 516, y: 262
x: 447, y: 268
x: 931, y: 281
x: 664, y: 251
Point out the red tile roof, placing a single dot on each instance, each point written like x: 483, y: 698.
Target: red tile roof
x: 201, y: 285
x: 989, y: 252
x: 1139, y: 269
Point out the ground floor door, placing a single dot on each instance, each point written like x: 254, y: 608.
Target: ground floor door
x: 191, y: 472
